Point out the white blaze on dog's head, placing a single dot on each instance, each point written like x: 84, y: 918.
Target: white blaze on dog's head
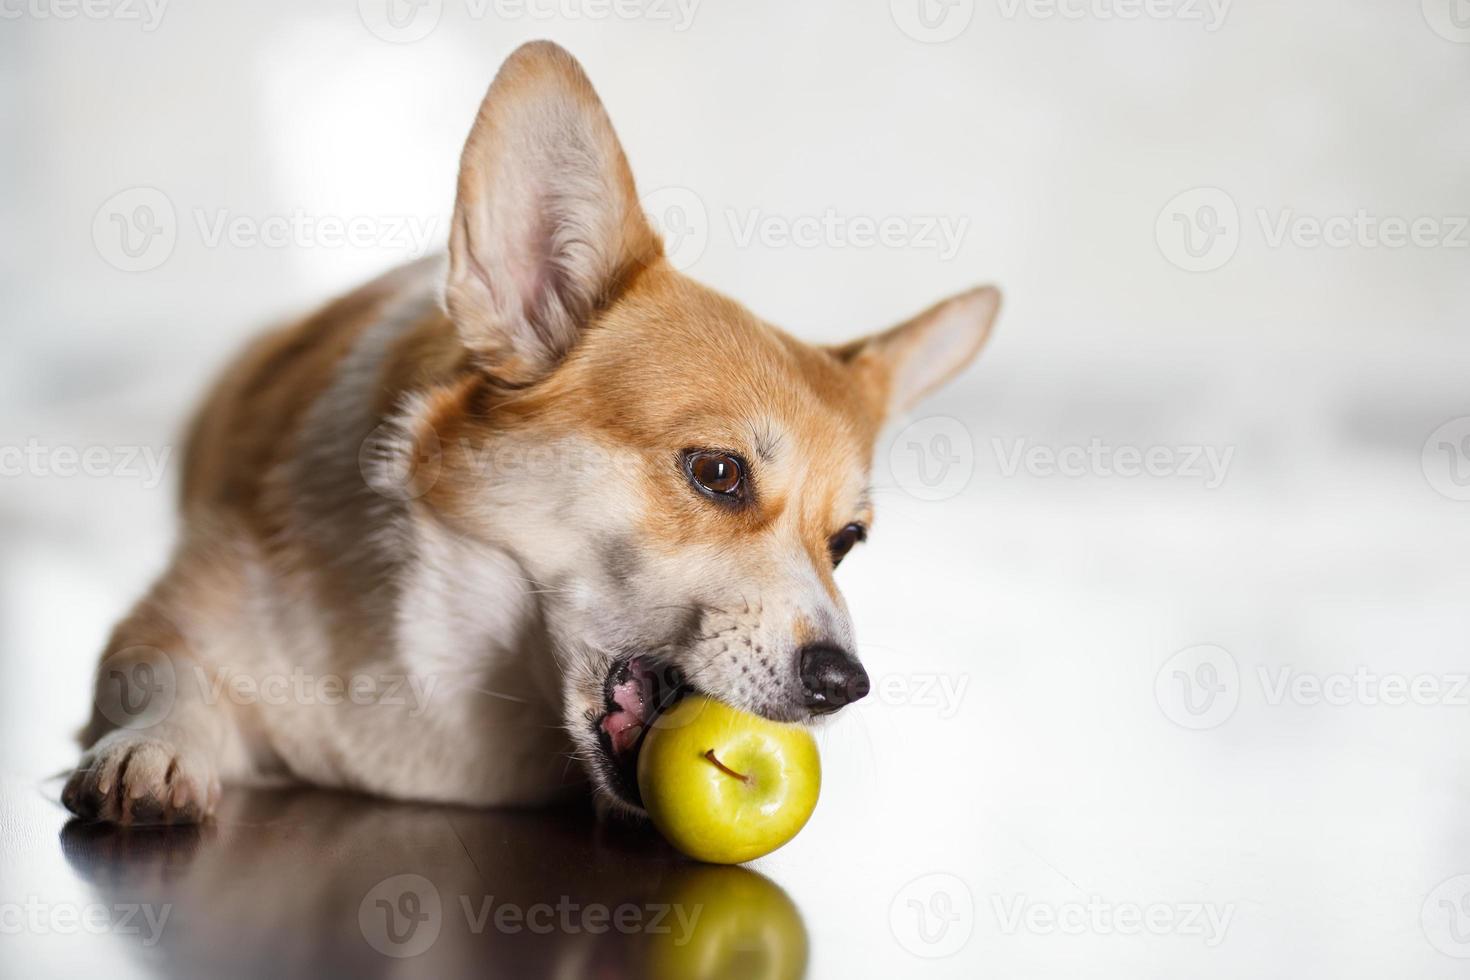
x: 701, y: 471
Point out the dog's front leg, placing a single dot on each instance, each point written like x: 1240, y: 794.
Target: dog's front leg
x: 156, y: 741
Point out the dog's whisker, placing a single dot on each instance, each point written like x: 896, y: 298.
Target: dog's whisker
x: 498, y: 694
x: 685, y: 606
x: 708, y: 662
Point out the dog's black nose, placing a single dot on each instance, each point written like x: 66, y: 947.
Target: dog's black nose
x: 831, y: 677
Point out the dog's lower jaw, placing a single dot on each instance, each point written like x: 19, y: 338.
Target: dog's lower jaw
x: 603, y: 778
x: 582, y: 716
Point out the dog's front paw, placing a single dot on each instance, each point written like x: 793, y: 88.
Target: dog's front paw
x: 132, y: 778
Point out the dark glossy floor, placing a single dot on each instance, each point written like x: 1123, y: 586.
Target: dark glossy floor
x: 302, y: 883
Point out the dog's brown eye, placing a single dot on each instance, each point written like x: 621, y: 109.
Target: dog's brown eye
x: 841, y: 543
x: 717, y: 473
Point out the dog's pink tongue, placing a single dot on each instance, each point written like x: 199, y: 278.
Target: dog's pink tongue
x: 625, y: 723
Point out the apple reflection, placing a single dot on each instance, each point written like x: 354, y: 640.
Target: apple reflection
x: 306, y: 883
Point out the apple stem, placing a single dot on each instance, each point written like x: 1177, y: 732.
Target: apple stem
x: 710, y: 755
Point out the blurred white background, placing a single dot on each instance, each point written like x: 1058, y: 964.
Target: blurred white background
x: 1226, y: 231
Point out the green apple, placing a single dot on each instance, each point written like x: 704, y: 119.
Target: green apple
x: 741, y: 924
x: 725, y: 786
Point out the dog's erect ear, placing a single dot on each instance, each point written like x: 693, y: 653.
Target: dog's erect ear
x: 902, y: 365
x: 547, y: 222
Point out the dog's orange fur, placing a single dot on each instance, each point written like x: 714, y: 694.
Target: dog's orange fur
x: 607, y: 389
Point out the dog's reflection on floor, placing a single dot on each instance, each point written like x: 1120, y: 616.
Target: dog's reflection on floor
x: 306, y: 883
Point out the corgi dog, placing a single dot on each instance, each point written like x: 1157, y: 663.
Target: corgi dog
x: 461, y: 533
